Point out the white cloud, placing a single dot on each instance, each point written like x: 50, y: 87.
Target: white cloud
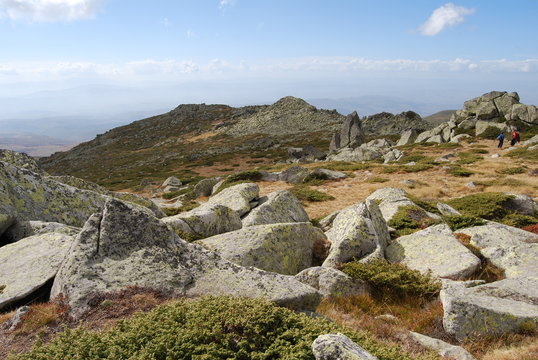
x: 49, y: 10
x: 444, y: 17
x: 226, y: 3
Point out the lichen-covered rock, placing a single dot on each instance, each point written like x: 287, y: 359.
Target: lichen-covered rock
x: 338, y: 347
x: 358, y: 154
x: 408, y: 137
x: 277, y: 207
x: 293, y: 175
x: 171, y: 181
x: 328, y: 174
x: 332, y: 282
x: 486, y: 110
x: 28, y: 264
x: 390, y: 200
x: 522, y: 204
x: 123, y: 246
x: 24, y: 229
x: 326, y: 223
x: 351, y: 134
x: 392, y: 155
x: 494, y: 234
x: 237, y: 197
x: 20, y: 160
x: 516, y: 261
x: 447, y: 210
x: 435, y: 251
x: 490, y: 309
x: 442, y: 348
x: 482, y: 126
x: 5, y: 222
x: 356, y: 232
x: 204, y: 221
x: 456, y: 139
x: 205, y: 187
x: 528, y: 113
x: 282, y: 248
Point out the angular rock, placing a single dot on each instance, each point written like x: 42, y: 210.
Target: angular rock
x: 123, y: 246
x: 294, y: 175
x: 237, y: 197
x: 24, y: 229
x: 282, y: 248
x: 527, y: 113
x: 486, y: 110
x: 442, y: 348
x: 533, y: 140
x: 490, y: 309
x: 277, y: 207
x: 328, y: 174
x: 335, y: 143
x: 497, y: 235
x: 204, y: 221
x: 28, y: 264
x: 435, y: 251
x: 358, y: 154
x: 357, y: 231
x: 338, y: 346
x: 522, y: 204
x: 205, y: 187
x: 17, y: 318
x: 331, y: 282
x: 327, y: 221
x: 390, y: 200
x: 172, y: 181
x: 20, y: 160
x: 516, y: 261
x: 408, y: 137
x: 447, y: 210
x: 505, y: 102
x: 392, y: 155
x: 482, y: 126
x: 456, y: 139
x: 269, y: 176
x: 351, y: 135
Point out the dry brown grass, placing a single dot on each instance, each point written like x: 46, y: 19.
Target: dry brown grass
x: 203, y: 136
x: 39, y: 316
x: 527, y: 350
x: 6, y: 316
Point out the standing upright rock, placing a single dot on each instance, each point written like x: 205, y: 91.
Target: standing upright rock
x: 351, y: 134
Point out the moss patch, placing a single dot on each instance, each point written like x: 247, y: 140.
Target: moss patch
x: 487, y: 205
x: 409, y: 219
x: 305, y: 193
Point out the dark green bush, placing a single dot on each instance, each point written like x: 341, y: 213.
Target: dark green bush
x: 207, y: 328
x: 486, y: 205
x: 252, y: 175
x: 304, y: 193
x: 409, y: 219
x: 393, y: 280
x: 427, y: 205
x: 459, y: 171
x: 315, y: 179
x: 468, y: 158
x: 459, y: 222
x: 377, y: 180
x: 174, y: 194
x: 511, y: 171
x: 519, y: 220
x: 345, y: 166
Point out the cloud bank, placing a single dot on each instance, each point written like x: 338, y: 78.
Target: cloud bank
x: 48, y: 10
x: 444, y: 17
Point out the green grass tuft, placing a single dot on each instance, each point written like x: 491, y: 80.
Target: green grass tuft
x: 460, y: 221
x: 305, y: 193
x: 486, y: 205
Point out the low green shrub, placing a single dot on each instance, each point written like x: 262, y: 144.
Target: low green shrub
x: 185, y: 207
x: 207, y: 328
x: 315, y: 179
x: 511, y: 170
x: 304, y: 193
x: 251, y: 175
x: 466, y: 158
x: 478, y: 151
x: 174, y: 194
x: 460, y: 172
x: 448, y: 145
x: 345, y: 166
x: 491, y: 132
x: 409, y: 219
x: 460, y: 221
x: 524, y: 153
x: 393, y: 280
x: 406, y: 168
x: 377, y: 180
x: 427, y: 205
x: 486, y: 205
x: 519, y: 220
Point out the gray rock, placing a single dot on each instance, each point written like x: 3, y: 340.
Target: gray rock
x: 505, y: 102
x: 20, y: 160
x: 495, y: 156
x: 390, y: 200
x: 358, y: 154
x: 282, y: 248
x: 494, y: 234
x: 331, y: 282
x: 408, y: 137
x: 327, y: 222
x: 392, y: 155
x: 433, y: 250
x: 482, y: 126
x: 5, y: 222
x: 517, y: 261
x: 269, y: 176
x: 442, y: 348
x: 17, y: 318
x: 328, y: 174
x: 205, y: 187
x: 351, y: 134
x: 294, y: 175
x: 447, y: 210
x: 172, y: 181
x: 338, y: 347
x: 527, y: 113
x: 471, y: 185
x: 467, y: 124
x: 335, y: 143
x: 237, y: 197
x: 217, y: 186
x: 277, y: 207
x: 123, y: 246
x: 28, y: 264
x: 533, y: 140
x: 171, y: 188
x: 456, y: 139
x: 486, y: 110
x: 24, y: 229
x: 357, y: 231
x: 522, y: 204
x: 490, y: 309
x: 204, y: 221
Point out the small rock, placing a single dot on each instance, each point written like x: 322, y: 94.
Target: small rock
x: 409, y: 183
x: 294, y: 175
x: 471, y: 185
x: 331, y: 282
x: 172, y: 181
x: 495, y: 156
x: 338, y: 347
x: 17, y: 318
x: 442, y: 348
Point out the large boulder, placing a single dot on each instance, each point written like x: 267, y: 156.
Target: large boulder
x: 338, y: 347
x: 293, y: 175
x: 393, y: 124
x: 237, y: 197
x: 27, y: 265
x: 441, y: 347
x: 516, y: 261
x: 351, y: 134
x: 486, y: 110
x: 332, y: 282
x: 359, y: 154
x: 204, y: 221
x: 434, y: 250
x: 523, y: 204
x: 123, y: 246
x: 482, y: 126
x: 356, y: 232
x: 490, y: 309
x: 282, y: 248
x: 494, y: 234
x: 408, y: 137
x: 23, y: 229
x: 277, y: 207
x: 390, y: 200
x: 526, y: 113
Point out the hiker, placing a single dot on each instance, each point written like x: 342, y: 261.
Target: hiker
x: 501, y: 140
x: 515, y: 137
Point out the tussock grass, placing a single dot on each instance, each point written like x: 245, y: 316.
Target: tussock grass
x: 305, y: 193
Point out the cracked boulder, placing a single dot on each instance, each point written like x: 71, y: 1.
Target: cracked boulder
x: 237, y: 197
x: 277, y: 207
x: 332, y: 282
x: 123, y: 246
x: 338, y: 347
x: 494, y: 234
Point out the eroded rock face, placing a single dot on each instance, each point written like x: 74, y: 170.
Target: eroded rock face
x: 494, y: 234
x: 277, y: 207
x: 237, y: 197
x: 408, y: 137
x: 351, y: 134
x: 356, y: 232
x: 331, y: 282
x: 281, y: 248
x: 338, y: 346
x: 294, y: 175
x: 205, y: 187
x: 517, y: 261
x: 390, y: 200
x: 434, y: 249
x: 20, y: 160
x: 496, y: 308
x: 25, y: 266
x: 124, y: 246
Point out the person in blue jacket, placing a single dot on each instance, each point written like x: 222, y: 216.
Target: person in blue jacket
x: 501, y: 140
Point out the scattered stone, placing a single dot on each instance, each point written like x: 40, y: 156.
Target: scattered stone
x: 357, y: 231
x: 471, y: 185
x: 328, y: 174
x: 409, y: 183
x: 205, y: 187
x: 433, y: 250
x: 123, y: 246
x: 277, y: 207
x: 294, y: 175
x: 332, y: 282
x: 522, y: 204
x: 442, y: 348
x: 237, y: 197
x: 338, y: 346
x: 17, y: 318
x: 269, y: 176
x: 25, y: 266
x: 172, y: 181
x: 282, y: 248
x: 392, y: 155
x: 447, y: 210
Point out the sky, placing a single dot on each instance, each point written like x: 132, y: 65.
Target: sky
x: 97, y: 57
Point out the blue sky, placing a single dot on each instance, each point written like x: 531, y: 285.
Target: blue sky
x: 246, y: 51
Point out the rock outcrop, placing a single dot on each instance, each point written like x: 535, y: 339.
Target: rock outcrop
x: 237, y: 197
x: 282, y: 248
x: 338, y: 346
x: 351, y: 134
x: 385, y: 123
x: 494, y: 234
x: 277, y: 207
x: 331, y: 282
x: 124, y: 246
